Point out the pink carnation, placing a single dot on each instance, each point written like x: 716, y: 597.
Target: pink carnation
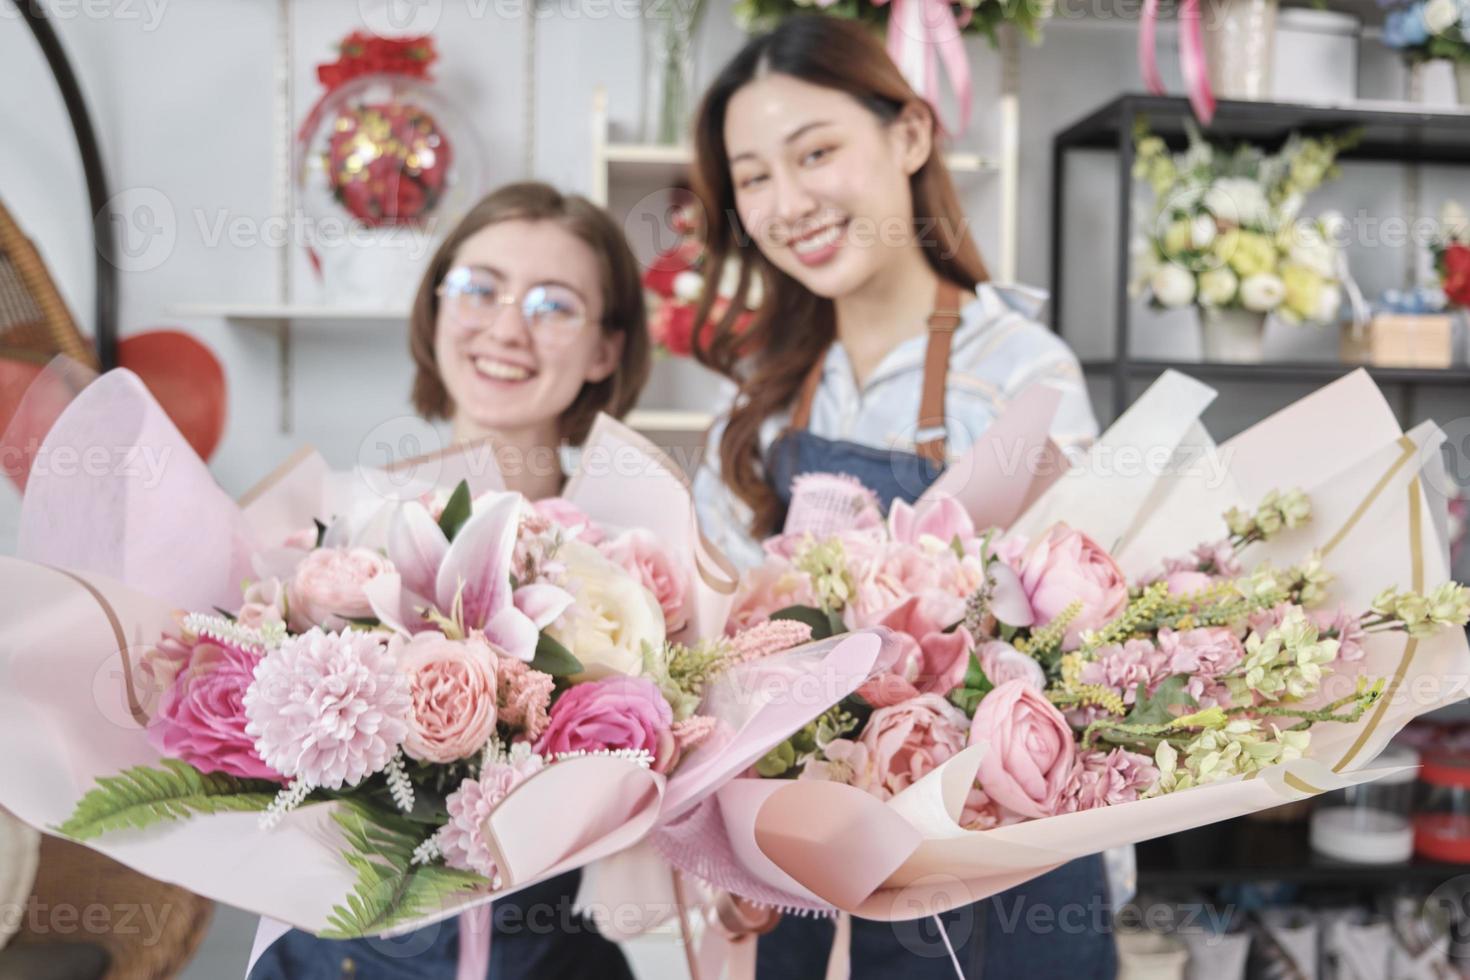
x: 1028, y: 762
x: 906, y: 741
x: 328, y: 708
x: 1347, y: 629
x: 1067, y: 566
x: 613, y: 713
x: 461, y: 840
x: 453, y: 687
x: 639, y: 552
x: 1107, y: 778
x: 327, y: 587
x: 1205, y: 654
x: 201, y: 714
x: 1123, y: 667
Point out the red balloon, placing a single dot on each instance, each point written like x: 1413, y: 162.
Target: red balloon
x: 187, y: 380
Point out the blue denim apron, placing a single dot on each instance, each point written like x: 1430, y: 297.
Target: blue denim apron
x: 1057, y: 925
x: 536, y: 937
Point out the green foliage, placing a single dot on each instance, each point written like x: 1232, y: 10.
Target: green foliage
x: 1154, y: 709
x: 553, y: 658
x: 390, y: 888
x: 976, y: 685
x: 141, y: 796
x: 456, y: 511
x: 824, y: 624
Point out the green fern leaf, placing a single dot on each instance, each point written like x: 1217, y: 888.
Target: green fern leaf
x: 140, y: 797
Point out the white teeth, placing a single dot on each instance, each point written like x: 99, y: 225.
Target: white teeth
x: 500, y: 370
x: 820, y: 240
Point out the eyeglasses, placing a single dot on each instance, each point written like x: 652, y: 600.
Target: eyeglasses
x: 474, y: 298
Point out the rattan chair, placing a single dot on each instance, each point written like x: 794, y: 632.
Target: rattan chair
x: 35, y: 324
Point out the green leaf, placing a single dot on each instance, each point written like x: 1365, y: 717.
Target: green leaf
x: 321, y: 531
x: 457, y: 511
x: 1154, y: 709
x: 968, y: 695
x: 553, y: 658
x: 824, y: 624
x: 390, y: 888
x: 141, y: 796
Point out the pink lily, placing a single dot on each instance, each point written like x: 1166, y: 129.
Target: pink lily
x: 943, y: 519
x: 468, y: 579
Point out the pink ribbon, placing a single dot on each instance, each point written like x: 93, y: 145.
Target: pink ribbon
x: 1192, y: 61
x: 917, y: 31
x: 474, y: 944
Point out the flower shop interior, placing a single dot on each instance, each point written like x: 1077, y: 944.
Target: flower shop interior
x: 167, y: 204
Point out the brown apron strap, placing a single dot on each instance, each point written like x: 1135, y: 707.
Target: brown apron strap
x: 942, y: 324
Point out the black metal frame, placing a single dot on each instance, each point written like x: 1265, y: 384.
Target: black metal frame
x: 1387, y: 134
x: 105, y: 307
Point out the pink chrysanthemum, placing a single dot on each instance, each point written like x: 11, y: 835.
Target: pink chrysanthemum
x: 525, y: 696
x: 1107, y: 778
x: 329, y: 709
x: 460, y: 840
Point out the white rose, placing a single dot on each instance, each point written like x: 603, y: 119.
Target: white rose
x: 1238, y: 201
x: 612, y: 617
x: 1217, y: 287
x: 688, y: 286
x: 1262, y: 292
x: 1441, y: 15
x: 1172, y: 285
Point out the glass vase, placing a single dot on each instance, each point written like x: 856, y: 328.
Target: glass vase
x: 669, y: 27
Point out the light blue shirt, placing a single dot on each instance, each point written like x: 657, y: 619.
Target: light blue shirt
x: 998, y: 351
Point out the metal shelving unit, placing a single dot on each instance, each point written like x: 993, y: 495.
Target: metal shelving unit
x: 1390, y: 131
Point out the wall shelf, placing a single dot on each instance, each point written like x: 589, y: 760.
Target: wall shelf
x: 267, y: 314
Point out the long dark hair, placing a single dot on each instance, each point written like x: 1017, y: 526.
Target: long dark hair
x: 794, y: 326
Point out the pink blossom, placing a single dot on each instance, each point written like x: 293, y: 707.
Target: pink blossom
x: 461, y: 839
x: 1002, y: 662
x: 768, y: 588
x: 327, y: 588
x: 563, y: 512
x: 1122, y: 667
x: 642, y: 556
x: 265, y: 603
x: 1348, y: 630
x: 942, y: 521
x: 1030, y: 751
x: 842, y: 761
x: 1205, y: 654
x: 1184, y: 583
x: 1067, y: 566
x: 453, y: 687
x: 929, y: 661
x: 886, y: 577
x: 201, y: 714
x: 612, y: 713
x: 1106, y: 779
x: 524, y: 696
x: 906, y: 741
x: 328, y: 708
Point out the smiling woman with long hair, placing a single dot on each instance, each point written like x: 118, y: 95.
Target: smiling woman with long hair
x: 881, y: 350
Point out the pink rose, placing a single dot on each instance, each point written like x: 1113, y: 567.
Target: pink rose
x: 326, y: 589
x: 1029, y: 760
x: 613, y: 713
x: 768, y: 588
x: 639, y: 552
x: 906, y: 741
x: 201, y: 712
x: 453, y: 687
x: 1003, y: 662
x: 886, y: 577
x: 561, y: 511
x: 1067, y: 566
x: 929, y: 661
x: 265, y: 603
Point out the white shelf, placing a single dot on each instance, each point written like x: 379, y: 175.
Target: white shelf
x: 657, y: 161
x: 266, y: 313
x: 669, y: 420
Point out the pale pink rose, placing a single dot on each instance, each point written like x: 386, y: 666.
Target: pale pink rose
x: 613, y: 713
x: 561, y: 511
x: 453, y: 687
x: 265, y: 603
x: 888, y: 576
x: 639, y: 552
x: 201, y: 714
x: 1067, y: 566
x: 1003, y: 662
x: 929, y: 661
x: 327, y: 588
x: 907, y: 741
x: 768, y: 588
x: 1029, y: 759
x: 1107, y: 779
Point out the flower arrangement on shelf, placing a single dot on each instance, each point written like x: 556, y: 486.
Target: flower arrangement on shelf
x: 1425, y: 30
x: 1090, y: 690
x: 676, y: 282
x: 971, y: 16
x: 1452, y: 254
x: 419, y: 687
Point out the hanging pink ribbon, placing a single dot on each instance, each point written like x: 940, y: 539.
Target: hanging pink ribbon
x: 921, y: 35
x: 1192, y: 60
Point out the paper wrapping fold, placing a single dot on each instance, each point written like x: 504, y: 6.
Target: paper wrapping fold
x: 1373, y: 520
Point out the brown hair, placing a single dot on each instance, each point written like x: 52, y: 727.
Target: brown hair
x: 622, y: 301
x: 794, y: 326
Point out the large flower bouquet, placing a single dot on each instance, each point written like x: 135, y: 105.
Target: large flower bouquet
x: 1225, y: 228
x: 1040, y: 696
x: 413, y: 706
